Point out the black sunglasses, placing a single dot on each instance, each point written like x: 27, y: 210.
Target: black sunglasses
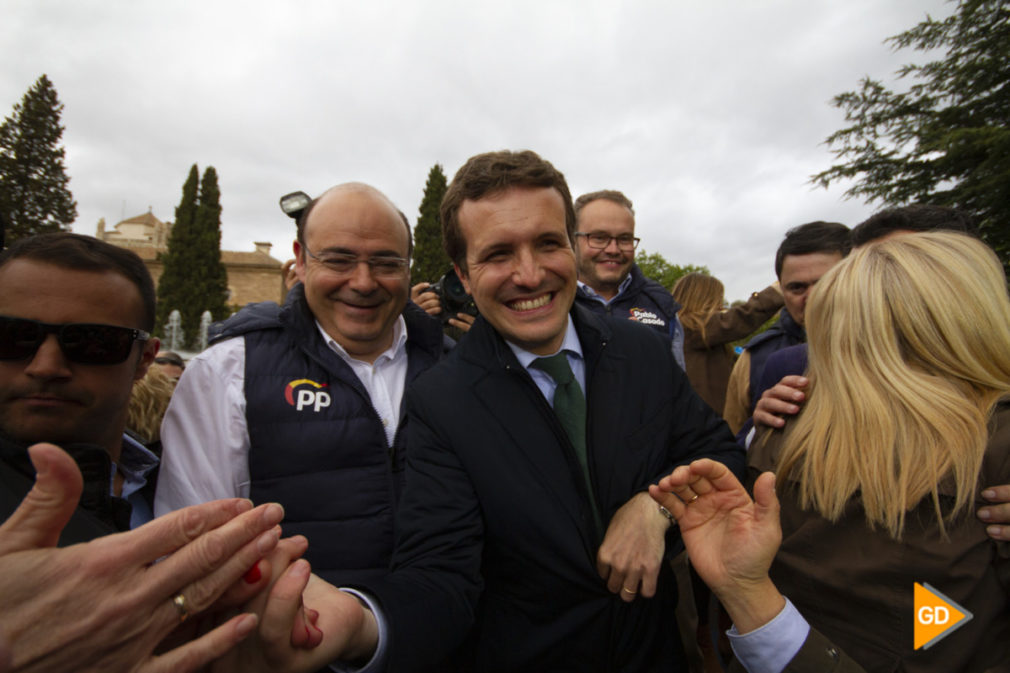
x: 88, y: 344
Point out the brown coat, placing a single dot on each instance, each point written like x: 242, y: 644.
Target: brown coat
x: 855, y: 585
x: 708, y: 359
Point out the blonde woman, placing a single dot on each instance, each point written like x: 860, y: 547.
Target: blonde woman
x: 148, y: 401
x: 880, y: 473
x: 708, y: 330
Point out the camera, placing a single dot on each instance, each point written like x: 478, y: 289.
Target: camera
x: 452, y: 296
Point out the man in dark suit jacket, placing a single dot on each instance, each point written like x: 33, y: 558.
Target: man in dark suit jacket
x: 516, y: 551
x: 502, y: 535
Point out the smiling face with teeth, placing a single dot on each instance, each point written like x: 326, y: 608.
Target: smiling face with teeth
x: 604, y: 270
x: 520, y: 265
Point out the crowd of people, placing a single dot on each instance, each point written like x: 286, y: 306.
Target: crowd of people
x: 335, y: 485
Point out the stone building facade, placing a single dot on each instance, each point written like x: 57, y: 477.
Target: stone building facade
x: 252, y: 276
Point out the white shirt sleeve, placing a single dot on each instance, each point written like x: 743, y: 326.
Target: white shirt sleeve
x: 770, y: 648
x: 205, y: 440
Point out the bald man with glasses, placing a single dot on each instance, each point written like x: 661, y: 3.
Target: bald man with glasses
x: 301, y: 404
x: 610, y: 282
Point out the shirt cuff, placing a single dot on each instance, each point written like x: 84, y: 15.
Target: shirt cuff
x: 770, y: 648
x: 749, y: 438
x: 377, y: 662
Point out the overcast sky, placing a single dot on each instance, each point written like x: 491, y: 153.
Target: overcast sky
x: 710, y: 116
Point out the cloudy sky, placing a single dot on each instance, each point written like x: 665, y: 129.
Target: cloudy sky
x: 710, y: 116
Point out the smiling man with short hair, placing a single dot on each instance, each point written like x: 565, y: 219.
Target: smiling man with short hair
x: 301, y: 404
x: 610, y: 283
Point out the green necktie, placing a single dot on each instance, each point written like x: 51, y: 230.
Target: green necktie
x: 570, y: 407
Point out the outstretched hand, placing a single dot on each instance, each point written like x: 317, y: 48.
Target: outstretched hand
x: 731, y: 539
x: 106, y: 604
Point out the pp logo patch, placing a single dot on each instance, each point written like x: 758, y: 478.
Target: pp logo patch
x: 304, y: 393
x: 645, y: 317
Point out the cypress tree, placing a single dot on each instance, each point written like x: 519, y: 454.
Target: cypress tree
x: 33, y: 180
x: 174, y: 286
x: 211, y: 274
x: 194, y: 279
x: 430, y: 260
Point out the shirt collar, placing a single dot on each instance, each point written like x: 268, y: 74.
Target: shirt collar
x: 398, y: 346
x: 570, y: 344
x: 136, y: 459
x: 593, y: 294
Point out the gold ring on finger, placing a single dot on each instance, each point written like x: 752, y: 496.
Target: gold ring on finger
x: 179, y: 601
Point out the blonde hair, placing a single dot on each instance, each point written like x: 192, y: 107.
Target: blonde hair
x: 700, y: 297
x: 909, y: 353
x: 148, y: 402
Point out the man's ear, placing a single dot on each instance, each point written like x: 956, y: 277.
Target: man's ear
x: 296, y: 247
x: 147, y: 355
x: 463, y: 278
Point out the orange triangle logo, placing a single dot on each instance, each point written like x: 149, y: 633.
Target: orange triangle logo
x: 936, y: 616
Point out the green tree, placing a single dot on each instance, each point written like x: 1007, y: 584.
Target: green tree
x: 655, y: 266
x: 211, y: 274
x: 194, y: 280
x: 33, y: 179
x: 430, y: 260
x: 945, y: 140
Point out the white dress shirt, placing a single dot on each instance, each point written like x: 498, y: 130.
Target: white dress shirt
x: 204, y: 436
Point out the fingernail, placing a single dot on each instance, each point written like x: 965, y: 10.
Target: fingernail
x: 242, y: 506
x: 273, y: 514
x: 301, y: 568
x: 253, y: 575
x: 984, y: 514
x: 994, y: 531
x: 246, y: 625
x: 989, y: 494
x: 268, y: 541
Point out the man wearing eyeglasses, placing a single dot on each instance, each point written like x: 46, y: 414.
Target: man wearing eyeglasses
x: 609, y: 280
x: 75, y: 321
x: 301, y: 404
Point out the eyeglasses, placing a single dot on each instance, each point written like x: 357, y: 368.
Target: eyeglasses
x: 83, y: 343
x: 599, y: 240
x: 381, y: 266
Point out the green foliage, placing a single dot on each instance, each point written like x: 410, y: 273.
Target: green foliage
x: 194, y: 279
x: 211, y: 274
x: 655, y: 266
x: 946, y: 140
x: 430, y: 260
x: 764, y: 327
x: 33, y: 180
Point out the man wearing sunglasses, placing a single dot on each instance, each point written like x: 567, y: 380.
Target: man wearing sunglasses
x: 75, y: 320
x: 301, y: 404
x: 609, y: 280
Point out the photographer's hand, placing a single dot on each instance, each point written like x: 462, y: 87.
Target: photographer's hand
x: 426, y: 299
x: 463, y: 321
